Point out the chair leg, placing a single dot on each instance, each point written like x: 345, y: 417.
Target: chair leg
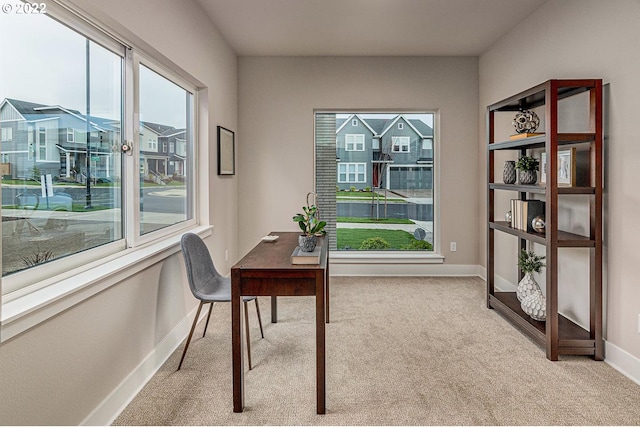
x: 208, y: 317
x: 259, y: 318
x: 193, y: 327
x: 246, y: 327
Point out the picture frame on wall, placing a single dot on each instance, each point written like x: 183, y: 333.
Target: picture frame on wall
x: 566, y: 167
x: 226, y: 152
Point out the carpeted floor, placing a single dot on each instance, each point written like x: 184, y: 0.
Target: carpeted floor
x: 400, y: 351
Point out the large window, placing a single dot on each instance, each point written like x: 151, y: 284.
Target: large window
x: 70, y: 195
x: 377, y: 191
x: 350, y: 172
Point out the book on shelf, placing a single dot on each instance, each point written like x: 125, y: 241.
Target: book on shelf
x: 299, y: 257
x: 525, y: 135
x: 524, y: 211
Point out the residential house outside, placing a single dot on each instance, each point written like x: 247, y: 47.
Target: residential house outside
x: 50, y: 139
x: 390, y: 153
x: 39, y: 139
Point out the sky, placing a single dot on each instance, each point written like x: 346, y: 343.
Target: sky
x: 44, y: 62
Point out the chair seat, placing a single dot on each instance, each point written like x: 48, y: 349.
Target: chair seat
x: 221, y: 291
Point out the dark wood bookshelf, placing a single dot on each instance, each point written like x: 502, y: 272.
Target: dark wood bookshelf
x: 557, y: 334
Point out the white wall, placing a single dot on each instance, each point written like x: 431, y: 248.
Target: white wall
x: 585, y: 39
x: 277, y: 98
x: 62, y: 370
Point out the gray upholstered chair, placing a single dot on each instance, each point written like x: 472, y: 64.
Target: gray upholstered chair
x: 208, y: 286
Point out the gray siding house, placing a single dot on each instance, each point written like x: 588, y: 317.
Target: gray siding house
x: 394, y: 153
x: 44, y: 139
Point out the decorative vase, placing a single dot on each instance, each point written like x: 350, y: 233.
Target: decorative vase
x: 307, y: 243
x: 526, y: 287
x: 526, y: 121
x: 528, y: 177
x: 535, y: 305
x: 509, y: 172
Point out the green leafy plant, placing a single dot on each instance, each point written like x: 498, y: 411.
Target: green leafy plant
x: 375, y: 243
x: 527, y: 163
x: 308, y: 221
x: 528, y: 261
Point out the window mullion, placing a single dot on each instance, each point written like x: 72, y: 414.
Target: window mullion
x: 131, y: 210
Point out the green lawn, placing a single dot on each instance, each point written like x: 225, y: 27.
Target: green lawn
x: 353, y: 238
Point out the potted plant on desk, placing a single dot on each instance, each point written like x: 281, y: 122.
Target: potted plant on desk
x: 310, y: 225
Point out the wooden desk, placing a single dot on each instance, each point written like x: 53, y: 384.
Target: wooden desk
x: 267, y: 271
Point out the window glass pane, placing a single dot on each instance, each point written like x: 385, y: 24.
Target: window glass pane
x: 392, y: 189
x: 61, y: 98
x: 165, y: 176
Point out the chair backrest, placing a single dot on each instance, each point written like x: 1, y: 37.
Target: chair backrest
x: 201, y: 272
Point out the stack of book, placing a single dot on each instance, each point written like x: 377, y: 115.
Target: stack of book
x: 524, y: 211
x: 299, y: 257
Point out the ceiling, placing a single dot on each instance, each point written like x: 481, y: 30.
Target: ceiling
x: 365, y: 27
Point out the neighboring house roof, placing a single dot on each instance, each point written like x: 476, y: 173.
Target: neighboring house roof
x: 380, y: 127
x: 173, y: 132
x: 348, y: 120
x: 32, y: 112
x: 156, y: 127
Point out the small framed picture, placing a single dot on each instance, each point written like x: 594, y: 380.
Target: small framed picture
x: 226, y: 152
x: 566, y: 167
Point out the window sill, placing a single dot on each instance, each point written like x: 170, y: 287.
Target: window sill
x: 375, y: 257
x: 27, y: 311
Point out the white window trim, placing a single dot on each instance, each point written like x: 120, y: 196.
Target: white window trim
x: 7, y: 134
x: 71, y: 135
x: 401, y: 144
x: 354, y: 122
x: 400, y: 125
x: 357, y: 146
x: 346, y: 165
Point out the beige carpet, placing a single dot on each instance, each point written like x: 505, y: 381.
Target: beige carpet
x: 400, y: 351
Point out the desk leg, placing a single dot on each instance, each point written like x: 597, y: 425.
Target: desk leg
x: 320, y: 345
x: 236, y: 325
x: 326, y: 294
x: 274, y: 309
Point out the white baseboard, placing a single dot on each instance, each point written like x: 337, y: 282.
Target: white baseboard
x: 117, y: 401
x: 622, y: 361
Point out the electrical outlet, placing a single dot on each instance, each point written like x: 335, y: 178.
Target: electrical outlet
x: 453, y: 246
x: 226, y: 255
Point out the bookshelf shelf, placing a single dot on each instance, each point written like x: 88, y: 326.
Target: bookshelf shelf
x: 557, y: 334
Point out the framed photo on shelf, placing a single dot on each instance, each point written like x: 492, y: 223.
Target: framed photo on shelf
x: 226, y: 152
x: 566, y: 167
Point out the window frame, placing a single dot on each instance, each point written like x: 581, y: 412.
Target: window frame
x: 31, y: 296
x: 345, y: 259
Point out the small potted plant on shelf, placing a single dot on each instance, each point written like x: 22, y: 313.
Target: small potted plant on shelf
x: 311, y: 226
x: 528, y: 167
x: 532, y: 301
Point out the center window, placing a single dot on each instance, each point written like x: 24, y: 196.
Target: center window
x: 376, y: 187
